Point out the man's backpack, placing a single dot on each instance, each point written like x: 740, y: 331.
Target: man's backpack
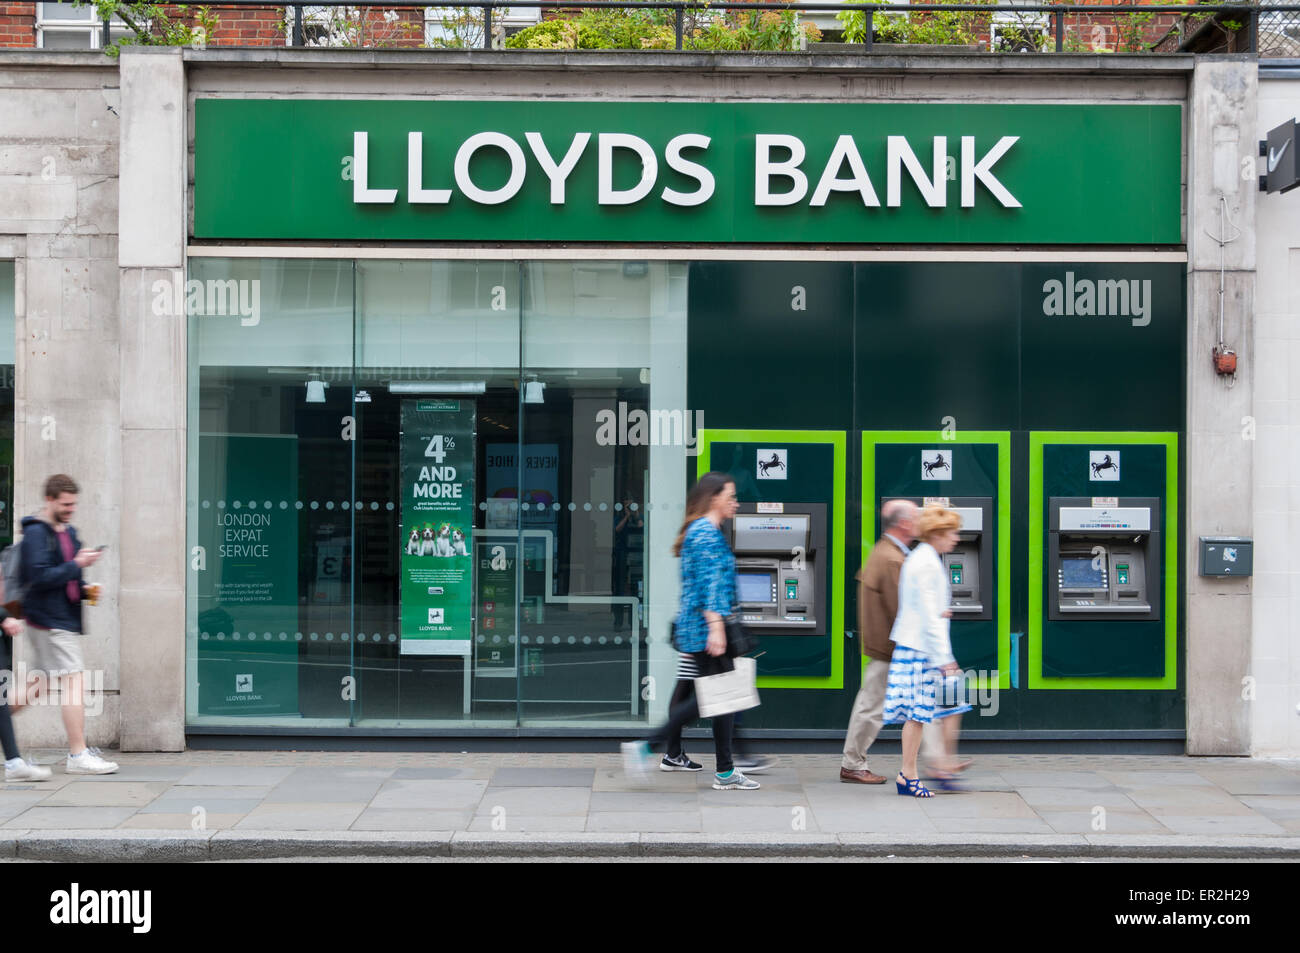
x: 12, y: 586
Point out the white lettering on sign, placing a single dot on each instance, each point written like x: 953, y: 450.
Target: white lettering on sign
x: 779, y: 176
x: 558, y: 173
x: 361, y: 192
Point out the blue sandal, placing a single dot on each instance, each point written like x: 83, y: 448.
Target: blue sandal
x: 912, y: 787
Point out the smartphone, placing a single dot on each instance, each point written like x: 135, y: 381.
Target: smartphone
x: 100, y: 549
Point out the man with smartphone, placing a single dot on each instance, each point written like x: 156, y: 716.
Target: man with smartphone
x: 52, y: 563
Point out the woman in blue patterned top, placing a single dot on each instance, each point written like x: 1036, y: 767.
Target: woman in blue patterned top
x: 708, y: 597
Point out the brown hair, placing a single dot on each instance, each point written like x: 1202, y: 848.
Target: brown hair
x: 59, y: 484
x: 936, y: 519
x: 699, y: 501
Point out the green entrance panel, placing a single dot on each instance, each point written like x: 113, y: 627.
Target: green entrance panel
x: 970, y: 472
x: 1103, y: 560
x: 789, y: 538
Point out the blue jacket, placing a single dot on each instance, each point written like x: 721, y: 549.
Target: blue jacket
x: 46, y: 575
x: 708, y: 583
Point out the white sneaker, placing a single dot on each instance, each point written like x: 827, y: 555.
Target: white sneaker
x: 636, y: 760
x: 26, y: 771
x: 737, y: 782
x: 89, y: 762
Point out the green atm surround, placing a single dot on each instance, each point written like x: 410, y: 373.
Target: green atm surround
x: 836, y: 442
x: 1153, y: 446
x: 997, y: 441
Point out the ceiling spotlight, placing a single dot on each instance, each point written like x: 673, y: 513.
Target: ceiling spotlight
x: 316, y: 390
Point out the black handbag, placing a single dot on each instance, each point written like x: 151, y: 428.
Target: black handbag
x: 740, y: 641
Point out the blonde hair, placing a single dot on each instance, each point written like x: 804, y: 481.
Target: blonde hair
x: 936, y: 519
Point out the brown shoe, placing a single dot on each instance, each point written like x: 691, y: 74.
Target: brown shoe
x: 860, y: 777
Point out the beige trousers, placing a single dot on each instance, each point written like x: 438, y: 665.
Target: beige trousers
x: 868, y: 715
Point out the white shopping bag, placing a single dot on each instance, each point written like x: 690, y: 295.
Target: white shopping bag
x: 729, y: 691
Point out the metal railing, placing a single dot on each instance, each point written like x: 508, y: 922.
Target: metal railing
x: 1267, y: 29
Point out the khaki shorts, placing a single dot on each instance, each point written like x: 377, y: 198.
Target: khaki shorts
x: 54, y: 651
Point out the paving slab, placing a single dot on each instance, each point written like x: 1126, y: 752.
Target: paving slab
x: 1084, y: 799
x: 233, y: 774
x: 867, y: 822
x: 1168, y: 801
x: 543, y: 777
x: 532, y: 801
x: 301, y: 817
x: 438, y: 774
x: 1219, y: 824
x: 411, y: 819
x: 175, y: 803
x: 992, y: 805
x: 136, y: 772
x: 106, y: 794
x: 740, y: 818
x: 180, y: 822
x: 991, y: 825
x: 528, y: 823
x: 332, y: 775
x: 429, y: 795
x: 644, y: 801
x: 1156, y: 778
x: 296, y: 791
x: 613, y: 779
x: 70, y: 818
x: 1048, y: 777
x: 656, y: 822
x: 1112, y: 821
x: 1251, y: 780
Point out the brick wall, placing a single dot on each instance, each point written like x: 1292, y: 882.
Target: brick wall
x: 17, y: 25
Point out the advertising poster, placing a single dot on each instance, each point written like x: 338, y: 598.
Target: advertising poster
x: 494, y: 654
x: 247, y: 592
x: 437, y: 576
x: 541, y: 485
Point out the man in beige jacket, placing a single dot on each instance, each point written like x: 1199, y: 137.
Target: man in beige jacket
x: 877, y: 606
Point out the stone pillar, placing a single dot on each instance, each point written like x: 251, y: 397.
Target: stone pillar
x: 1221, y: 189
x: 58, y: 218
x: 151, y: 261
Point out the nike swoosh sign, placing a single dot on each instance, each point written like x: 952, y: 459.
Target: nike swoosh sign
x: 1273, y: 160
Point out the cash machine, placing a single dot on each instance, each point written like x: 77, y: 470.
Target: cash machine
x: 1104, y: 560
x: 969, y: 567
x: 781, y: 567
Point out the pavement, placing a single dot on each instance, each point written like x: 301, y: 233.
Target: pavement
x: 239, y: 805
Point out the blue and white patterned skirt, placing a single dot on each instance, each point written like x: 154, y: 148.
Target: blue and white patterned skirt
x: 912, y: 693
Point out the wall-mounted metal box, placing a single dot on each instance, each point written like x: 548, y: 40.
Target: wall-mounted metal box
x: 1227, y: 555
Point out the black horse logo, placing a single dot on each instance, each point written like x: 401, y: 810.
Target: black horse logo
x: 938, y: 463
x: 765, y: 465
x: 1106, y: 464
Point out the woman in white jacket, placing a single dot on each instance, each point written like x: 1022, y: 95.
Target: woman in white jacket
x: 922, y: 650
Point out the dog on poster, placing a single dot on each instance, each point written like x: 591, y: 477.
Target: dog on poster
x: 458, y: 542
x: 413, y: 543
x: 443, y: 541
x: 426, y: 543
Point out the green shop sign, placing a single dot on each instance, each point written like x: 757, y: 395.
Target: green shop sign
x: 437, y: 594
x: 711, y: 172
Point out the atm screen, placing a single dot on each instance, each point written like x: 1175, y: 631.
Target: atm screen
x: 754, y: 587
x: 1079, y: 573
